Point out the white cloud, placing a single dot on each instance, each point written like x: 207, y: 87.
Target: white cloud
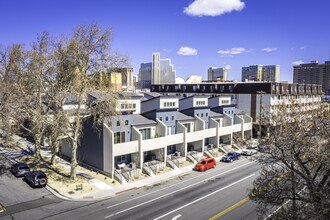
x: 228, y: 67
x: 302, y: 48
x: 187, y: 51
x: 213, y: 7
x: 297, y: 62
x: 268, y: 49
x: 232, y: 51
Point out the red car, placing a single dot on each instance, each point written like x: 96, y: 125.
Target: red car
x: 205, y: 164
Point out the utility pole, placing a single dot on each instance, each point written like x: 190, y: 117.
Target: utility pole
x: 260, y: 113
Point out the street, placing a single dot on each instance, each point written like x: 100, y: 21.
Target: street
x: 217, y: 193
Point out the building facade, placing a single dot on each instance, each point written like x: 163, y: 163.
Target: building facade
x: 129, y: 144
x: 248, y: 96
x: 144, y: 77
x: 270, y: 73
x: 162, y: 70
x: 217, y: 74
x: 313, y: 73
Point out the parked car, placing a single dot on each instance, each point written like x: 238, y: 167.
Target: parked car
x: 19, y: 169
x: 230, y: 157
x: 205, y: 164
x: 253, y: 146
x: 249, y: 152
x: 36, y: 178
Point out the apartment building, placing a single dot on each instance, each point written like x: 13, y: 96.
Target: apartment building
x: 165, y: 131
x: 248, y: 96
x: 269, y: 73
x: 313, y: 73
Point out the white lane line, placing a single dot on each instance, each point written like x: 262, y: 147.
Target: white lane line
x: 210, y: 194
x: 176, y: 217
x: 188, y: 180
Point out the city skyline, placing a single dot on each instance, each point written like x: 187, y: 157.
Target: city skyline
x: 195, y: 35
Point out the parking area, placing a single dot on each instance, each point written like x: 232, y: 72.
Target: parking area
x: 14, y: 190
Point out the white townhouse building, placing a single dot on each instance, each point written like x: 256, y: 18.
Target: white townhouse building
x: 165, y: 131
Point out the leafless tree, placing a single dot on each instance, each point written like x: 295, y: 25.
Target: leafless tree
x: 32, y: 87
x: 84, y: 54
x: 36, y: 85
x: 12, y: 61
x: 295, y: 176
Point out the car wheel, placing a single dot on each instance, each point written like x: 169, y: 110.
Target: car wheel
x: 43, y: 182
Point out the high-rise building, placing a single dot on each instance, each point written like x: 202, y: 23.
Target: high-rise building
x: 167, y: 72
x: 155, y: 68
x: 313, y: 73
x: 217, y: 74
x: 144, y: 78
x: 162, y: 70
x: 270, y: 73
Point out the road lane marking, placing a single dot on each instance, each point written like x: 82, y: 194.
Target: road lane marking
x: 230, y: 208
x: 176, y: 217
x: 144, y: 195
x: 210, y: 194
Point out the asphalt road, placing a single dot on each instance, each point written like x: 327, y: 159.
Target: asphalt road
x: 193, y: 196
x: 214, y: 193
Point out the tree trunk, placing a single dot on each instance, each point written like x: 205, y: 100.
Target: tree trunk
x: 74, y: 162
x: 37, y: 147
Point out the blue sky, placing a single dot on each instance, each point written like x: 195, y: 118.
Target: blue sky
x: 194, y: 34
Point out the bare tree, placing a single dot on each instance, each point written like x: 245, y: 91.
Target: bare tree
x: 11, y: 63
x: 295, y: 176
x: 84, y: 54
x: 32, y: 87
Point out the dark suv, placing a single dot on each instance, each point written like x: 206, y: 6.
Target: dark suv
x: 19, y: 169
x: 231, y: 156
x: 36, y: 178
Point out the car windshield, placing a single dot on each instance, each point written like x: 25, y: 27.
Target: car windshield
x: 230, y: 154
x: 23, y: 168
x: 202, y: 162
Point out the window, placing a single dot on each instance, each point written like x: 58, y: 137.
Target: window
x: 202, y: 115
x: 200, y: 103
x: 188, y: 127
x: 126, y: 122
x: 161, y: 118
x: 169, y: 104
x: 118, y: 123
x: 119, y: 137
x: 206, y: 114
x: 172, y: 118
x: 166, y: 118
x: 146, y: 133
x: 224, y: 102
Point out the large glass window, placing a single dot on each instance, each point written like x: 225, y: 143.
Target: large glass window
x: 188, y: 126
x: 146, y: 133
x: 119, y: 137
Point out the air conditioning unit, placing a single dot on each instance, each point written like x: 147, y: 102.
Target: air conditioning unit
x: 177, y: 153
x: 133, y: 165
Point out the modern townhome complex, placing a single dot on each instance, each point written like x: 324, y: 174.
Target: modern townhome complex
x: 154, y: 130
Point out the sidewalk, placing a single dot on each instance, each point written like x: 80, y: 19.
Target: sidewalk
x: 101, y: 189
x: 108, y: 191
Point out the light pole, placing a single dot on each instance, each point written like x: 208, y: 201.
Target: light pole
x: 260, y: 113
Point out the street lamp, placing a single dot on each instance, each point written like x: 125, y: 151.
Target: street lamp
x: 260, y: 113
